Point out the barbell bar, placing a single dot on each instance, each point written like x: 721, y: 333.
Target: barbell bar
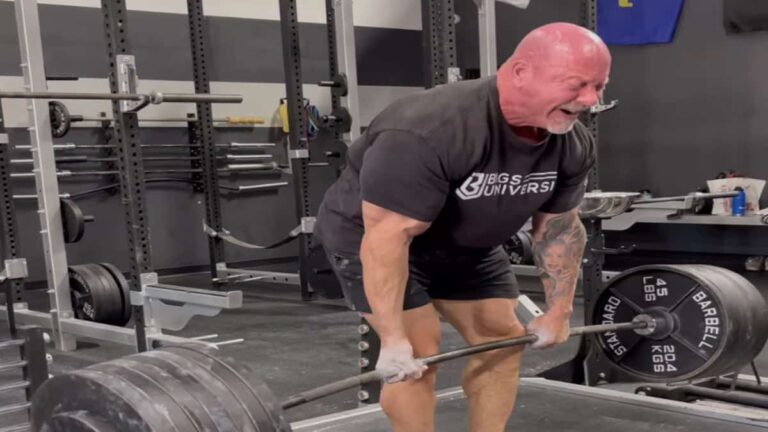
x: 154, y: 97
x: 83, y: 159
x: 273, y: 166
x: 72, y: 146
x: 641, y: 322
x: 228, y: 188
x: 231, y: 120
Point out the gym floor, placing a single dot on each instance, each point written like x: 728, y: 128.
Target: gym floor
x: 298, y: 345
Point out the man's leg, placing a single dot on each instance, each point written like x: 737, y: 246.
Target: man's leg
x: 410, y: 405
x: 491, y: 378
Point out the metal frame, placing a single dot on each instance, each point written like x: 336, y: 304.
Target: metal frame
x: 204, y: 133
x: 486, y: 15
x: 44, y: 168
x: 297, y: 143
x: 146, y: 295
x: 129, y: 162
x: 10, y: 231
x: 342, y: 58
x: 439, y: 42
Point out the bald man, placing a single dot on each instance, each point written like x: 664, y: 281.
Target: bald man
x: 435, y: 185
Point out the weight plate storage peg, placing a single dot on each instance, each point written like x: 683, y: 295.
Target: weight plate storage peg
x: 709, y: 321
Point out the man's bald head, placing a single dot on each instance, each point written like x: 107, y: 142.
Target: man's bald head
x: 556, y: 71
x: 562, y: 42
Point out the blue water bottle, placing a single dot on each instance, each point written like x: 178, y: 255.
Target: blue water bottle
x: 739, y: 203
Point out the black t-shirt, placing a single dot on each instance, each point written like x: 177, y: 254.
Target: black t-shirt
x: 447, y: 156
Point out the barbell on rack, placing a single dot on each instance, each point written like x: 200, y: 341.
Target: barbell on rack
x: 73, y: 146
x: 61, y: 119
x: 230, y: 120
x: 153, y: 97
x: 191, y: 388
x: 228, y: 188
x: 230, y: 168
x: 86, y: 159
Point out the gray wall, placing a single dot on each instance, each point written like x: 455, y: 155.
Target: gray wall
x: 175, y: 211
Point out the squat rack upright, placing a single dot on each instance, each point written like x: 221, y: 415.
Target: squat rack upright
x: 151, y: 315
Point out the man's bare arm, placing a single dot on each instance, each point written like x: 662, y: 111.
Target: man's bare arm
x: 384, y: 254
x: 558, y: 247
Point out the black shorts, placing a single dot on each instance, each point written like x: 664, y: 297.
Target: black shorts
x: 443, y: 276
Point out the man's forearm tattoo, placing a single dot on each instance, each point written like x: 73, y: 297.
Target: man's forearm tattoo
x: 558, y: 255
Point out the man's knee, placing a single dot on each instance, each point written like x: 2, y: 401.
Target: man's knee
x: 496, y: 327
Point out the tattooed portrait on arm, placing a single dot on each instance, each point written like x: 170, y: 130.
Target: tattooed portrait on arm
x: 557, y: 251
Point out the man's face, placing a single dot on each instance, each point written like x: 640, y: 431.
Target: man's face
x: 561, y: 89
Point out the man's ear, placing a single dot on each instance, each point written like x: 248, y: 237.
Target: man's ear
x: 520, y: 72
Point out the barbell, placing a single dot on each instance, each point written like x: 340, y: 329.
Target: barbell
x: 153, y: 97
x: 229, y: 168
x: 656, y: 323
x: 88, y: 159
x: 61, y: 119
x: 73, y: 146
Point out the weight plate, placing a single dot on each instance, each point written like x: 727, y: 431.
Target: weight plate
x: 255, y: 396
x: 61, y: 121
x: 206, y: 403
x: 520, y: 248
x: 113, y: 295
x: 87, y: 293
x: 749, y: 329
x: 227, y: 407
x: 711, y: 328
x: 162, y: 390
x: 125, y: 288
x: 101, y: 395
x: 261, y: 411
x: 78, y: 421
x: 72, y: 221
x: 610, y: 310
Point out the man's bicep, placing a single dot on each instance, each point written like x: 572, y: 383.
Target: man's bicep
x: 379, y: 218
x: 405, y: 175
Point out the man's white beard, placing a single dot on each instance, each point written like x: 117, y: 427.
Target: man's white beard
x: 560, y: 129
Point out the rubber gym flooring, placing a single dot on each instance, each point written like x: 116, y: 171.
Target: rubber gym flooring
x: 297, y: 345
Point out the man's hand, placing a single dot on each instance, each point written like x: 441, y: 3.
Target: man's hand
x: 552, y: 328
x: 397, y: 362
